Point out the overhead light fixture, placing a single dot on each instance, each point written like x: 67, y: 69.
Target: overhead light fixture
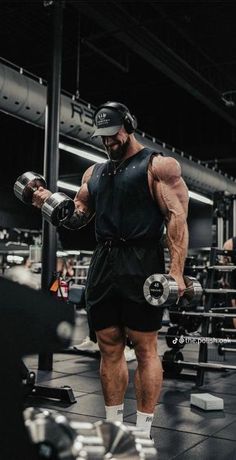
x: 201, y: 198
x: 82, y: 153
x: 98, y: 159
x: 68, y: 186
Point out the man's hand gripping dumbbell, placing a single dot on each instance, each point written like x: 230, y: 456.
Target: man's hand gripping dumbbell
x: 57, y: 208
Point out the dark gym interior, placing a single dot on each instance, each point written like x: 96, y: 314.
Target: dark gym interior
x: 173, y: 65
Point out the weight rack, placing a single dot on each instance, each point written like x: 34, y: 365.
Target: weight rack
x: 206, y: 312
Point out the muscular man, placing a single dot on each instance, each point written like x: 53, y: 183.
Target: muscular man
x: 132, y: 195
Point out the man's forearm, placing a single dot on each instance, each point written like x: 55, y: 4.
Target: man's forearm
x: 177, y: 242
x: 78, y: 220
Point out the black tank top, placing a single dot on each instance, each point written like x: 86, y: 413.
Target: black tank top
x: 122, y: 201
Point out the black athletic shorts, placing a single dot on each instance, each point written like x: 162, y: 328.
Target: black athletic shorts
x: 114, y: 288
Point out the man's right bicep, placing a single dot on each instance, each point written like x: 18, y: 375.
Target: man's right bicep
x: 82, y: 200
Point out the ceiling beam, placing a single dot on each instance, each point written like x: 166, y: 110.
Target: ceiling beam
x: 152, y: 50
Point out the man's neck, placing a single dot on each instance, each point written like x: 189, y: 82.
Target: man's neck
x: 133, y: 148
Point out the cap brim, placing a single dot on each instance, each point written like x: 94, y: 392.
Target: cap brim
x: 108, y: 131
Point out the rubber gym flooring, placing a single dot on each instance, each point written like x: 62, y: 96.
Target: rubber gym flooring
x: 180, y: 431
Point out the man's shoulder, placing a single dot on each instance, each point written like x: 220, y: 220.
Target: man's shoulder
x: 164, y: 167
x: 90, y: 171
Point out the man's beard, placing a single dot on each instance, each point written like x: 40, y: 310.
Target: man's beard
x: 119, y: 152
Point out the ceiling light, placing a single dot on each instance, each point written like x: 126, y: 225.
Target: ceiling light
x: 82, y: 153
x: 67, y: 186
x: 198, y: 197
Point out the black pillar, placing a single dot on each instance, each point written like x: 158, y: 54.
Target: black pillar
x: 51, y: 153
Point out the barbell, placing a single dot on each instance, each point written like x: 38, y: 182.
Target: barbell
x: 162, y: 291
x: 57, y: 208
x: 191, y: 320
x: 173, y: 363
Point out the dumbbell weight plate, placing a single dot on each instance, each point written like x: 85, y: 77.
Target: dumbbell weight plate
x: 126, y: 442
x: 194, y: 291
x: 187, y: 322
x: 221, y: 351
x: 192, y: 323
x: 26, y: 184
x: 169, y: 364
x: 160, y: 290
x: 174, y: 337
x: 58, y: 208
x: 217, y: 325
x: 57, y: 438
x: 50, y: 432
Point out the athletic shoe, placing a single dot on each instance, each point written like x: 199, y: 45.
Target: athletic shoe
x: 129, y: 354
x: 87, y: 345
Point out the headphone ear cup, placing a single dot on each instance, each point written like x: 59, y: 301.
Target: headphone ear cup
x: 135, y: 122
x: 130, y: 123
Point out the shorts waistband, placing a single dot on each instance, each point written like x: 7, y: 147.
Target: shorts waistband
x: 114, y: 243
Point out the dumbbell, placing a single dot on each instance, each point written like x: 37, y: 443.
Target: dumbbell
x: 162, y: 291
x: 57, y: 208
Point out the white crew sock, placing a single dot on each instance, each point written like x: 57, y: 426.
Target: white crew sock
x: 115, y: 413
x: 144, y: 421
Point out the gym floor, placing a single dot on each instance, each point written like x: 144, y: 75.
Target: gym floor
x: 180, y: 431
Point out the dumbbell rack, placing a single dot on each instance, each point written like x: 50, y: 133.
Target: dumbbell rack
x: 173, y: 359
x: 209, y: 301
x: 203, y: 347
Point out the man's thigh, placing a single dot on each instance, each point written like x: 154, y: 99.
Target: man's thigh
x: 142, y: 317
x: 105, y: 314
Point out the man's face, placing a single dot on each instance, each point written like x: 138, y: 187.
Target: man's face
x: 117, y: 144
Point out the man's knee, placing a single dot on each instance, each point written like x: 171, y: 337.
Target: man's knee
x: 111, y: 342
x: 145, y: 345
x: 145, y: 354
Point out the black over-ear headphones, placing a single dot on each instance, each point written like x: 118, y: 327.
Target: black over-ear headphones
x: 129, y: 121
